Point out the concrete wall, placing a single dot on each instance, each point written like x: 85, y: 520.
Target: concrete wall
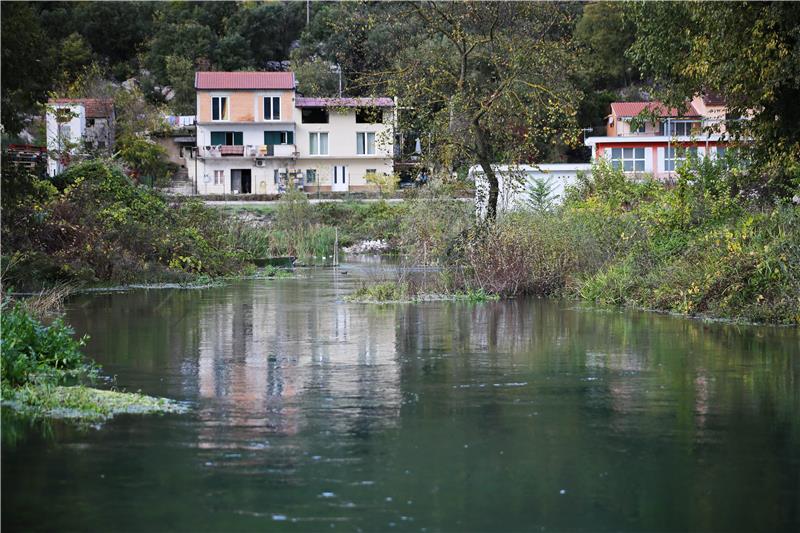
x: 245, y: 106
x: 516, y: 182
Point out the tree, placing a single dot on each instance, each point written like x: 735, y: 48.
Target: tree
x: 316, y: 77
x: 746, y: 52
x: 605, y: 34
x: 180, y: 76
x: 490, y: 83
x: 26, y: 63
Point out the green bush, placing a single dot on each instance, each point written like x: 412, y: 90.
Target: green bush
x: 101, y: 227
x: 34, y: 351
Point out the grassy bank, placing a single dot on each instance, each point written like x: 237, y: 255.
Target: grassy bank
x: 700, y: 247
x: 44, y: 372
x: 92, y: 225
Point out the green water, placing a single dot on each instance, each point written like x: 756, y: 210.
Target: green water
x: 308, y: 413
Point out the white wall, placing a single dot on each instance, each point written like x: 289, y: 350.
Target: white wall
x: 515, y: 183
x: 77, y: 125
x: 342, y: 151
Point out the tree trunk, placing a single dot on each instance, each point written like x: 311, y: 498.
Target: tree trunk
x: 485, y: 160
x: 494, y: 189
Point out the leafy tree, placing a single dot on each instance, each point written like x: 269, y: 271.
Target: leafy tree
x: 316, y: 77
x: 180, y: 76
x: 490, y: 82
x: 605, y: 34
x: 26, y: 61
x: 747, y: 52
x: 74, y: 55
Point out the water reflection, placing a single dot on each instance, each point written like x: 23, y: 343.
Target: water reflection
x: 445, y: 416
x: 268, y: 364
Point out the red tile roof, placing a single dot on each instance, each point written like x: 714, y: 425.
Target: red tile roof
x: 95, y: 107
x: 244, y: 80
x: 631, y: 109
x: 381, y: 101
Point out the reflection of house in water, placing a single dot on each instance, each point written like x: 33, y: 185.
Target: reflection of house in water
x: 269, y: 365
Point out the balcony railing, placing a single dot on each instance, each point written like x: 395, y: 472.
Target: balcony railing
x: 247, y: 151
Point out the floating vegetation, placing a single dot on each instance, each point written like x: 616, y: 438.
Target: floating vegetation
x: 385, y: 292
x: 85, y: 404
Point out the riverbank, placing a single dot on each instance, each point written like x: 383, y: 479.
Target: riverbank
x: 45, y: 374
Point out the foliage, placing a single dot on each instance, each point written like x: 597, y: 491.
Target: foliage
x: 385, y: 291
x: 86, y: 404
x: 695, y: 247
x: 746, y: 52
x: 487, y: 82
x: 606, y: 34
x: 100, y: 227
x: 146, y: 158
x: 34, y: 351
x: 386, y: 183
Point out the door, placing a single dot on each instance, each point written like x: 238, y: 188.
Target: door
x: 341, y: 178
x: 241, y: 181
x: 247, y: 185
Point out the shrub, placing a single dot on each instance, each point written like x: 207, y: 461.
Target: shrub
x: 32, y: 350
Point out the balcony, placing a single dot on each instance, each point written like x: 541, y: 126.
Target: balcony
x: 246, y: 151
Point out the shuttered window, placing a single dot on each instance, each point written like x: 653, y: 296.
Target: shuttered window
x: 228, y: 138
x: 278, y: 137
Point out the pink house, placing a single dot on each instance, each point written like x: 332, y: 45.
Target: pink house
x: 649, y: 138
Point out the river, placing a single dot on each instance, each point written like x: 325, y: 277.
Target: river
x: 309, y: 413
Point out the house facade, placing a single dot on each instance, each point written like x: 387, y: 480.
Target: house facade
x: 77, y: 126
x: 256, y: 135
x: 648, y: 137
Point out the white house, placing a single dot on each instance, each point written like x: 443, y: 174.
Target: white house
x: 256, y: 135
x: 75, y: 126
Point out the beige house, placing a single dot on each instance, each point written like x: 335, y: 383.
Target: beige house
x: 256, y: 135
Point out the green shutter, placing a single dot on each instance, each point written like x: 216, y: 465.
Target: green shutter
x: 272, y: 137
x: 289, y: 137
x: 217, y: 137
x: 238, y: 138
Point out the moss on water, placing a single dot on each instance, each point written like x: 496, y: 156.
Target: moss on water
x: 85, y: 404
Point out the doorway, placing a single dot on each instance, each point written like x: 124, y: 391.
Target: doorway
x: 241, y: 181
x: 341, y: 178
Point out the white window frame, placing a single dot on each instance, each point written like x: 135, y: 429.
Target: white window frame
x: 227, y: 114
x: 363, y: 143
x: 270, y: 107
x: 219, y: 177
x: 315, y: 144
x: 619, y: 157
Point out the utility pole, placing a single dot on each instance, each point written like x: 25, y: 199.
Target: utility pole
x: 308, y: 12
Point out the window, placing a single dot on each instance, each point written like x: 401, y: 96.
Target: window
x: 278, y: 137
x: 311, y: 175
x: 219, y: 108
x: 314, y: 115
x: 219, y: 177
x: 369, y: 115
x: 640, y: 128
x: 674, y: 157
x: 365, y: 143
x: 721, y: 152
x: 678, y: 128
x: 228, y: 138
x: 89, y: 122
x: 276, y: 177
x: 372, y: 171
x: 629, y: 159
x: 318, y: 143
x: 272, y: 108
